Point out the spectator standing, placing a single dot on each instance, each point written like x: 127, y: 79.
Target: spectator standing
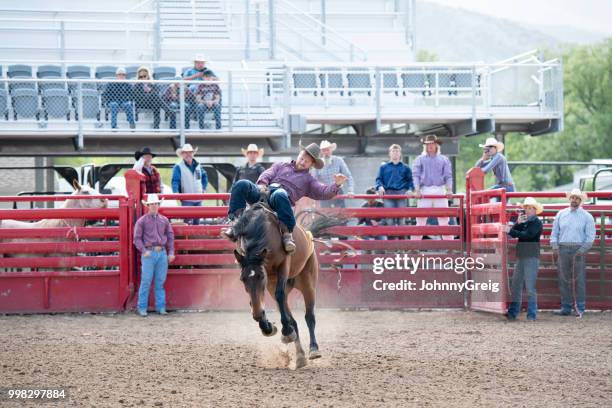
x: 333, y: 165
x: 146, y: 95
x: 154, y: 238
x: 528, y: 229
x: 188, y: 177
x: 144, y: 165
x: 251, y: 170
x: 432, y: 175
x: 198, y: 72
x: 120, y: 95
x: 571, y: 238
x: 394, y: 178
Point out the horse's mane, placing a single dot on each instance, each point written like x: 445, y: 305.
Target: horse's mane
x: 252, y: 227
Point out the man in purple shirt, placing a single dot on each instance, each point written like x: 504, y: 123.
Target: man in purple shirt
x: 154, y: 238
x: 432, y: 175
x: 286, y: 183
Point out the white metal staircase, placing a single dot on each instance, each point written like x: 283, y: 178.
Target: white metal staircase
x: 193, y: 20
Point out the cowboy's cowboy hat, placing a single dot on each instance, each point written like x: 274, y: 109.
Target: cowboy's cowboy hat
x: 152, y: 199
x: 431, y: 139
x: 199, y: 58
x: 252, y: 148
x: 576, y: 192
x: 314, y: 151
x: 187, y: 147
x: 144, y: 151
x: 327, y: 144
x: 492, y: 142
x: 530, y: 201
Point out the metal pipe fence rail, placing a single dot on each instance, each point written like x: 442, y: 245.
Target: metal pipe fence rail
x: 95, y: 268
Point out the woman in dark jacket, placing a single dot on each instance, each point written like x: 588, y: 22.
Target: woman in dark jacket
x: 528, y: 230
x: 147, y: 96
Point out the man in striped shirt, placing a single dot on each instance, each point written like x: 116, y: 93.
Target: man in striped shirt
x: 493, y: 160
x: 571, y: 238
x: 333, y: 165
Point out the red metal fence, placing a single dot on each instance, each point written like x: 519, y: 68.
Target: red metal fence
x: 95, y: 268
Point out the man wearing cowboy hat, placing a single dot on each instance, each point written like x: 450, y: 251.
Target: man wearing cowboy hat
x: 251, y: 170
x: 493, y: 160
x: 198, y: 72
x: 144, y: 165
x: 332, y: 166
x: 528, y: 230
x: 154, y: 238
x: 571, y: 238
x: 286, y: 183
x: 188, y: 177
x: 432, y: 175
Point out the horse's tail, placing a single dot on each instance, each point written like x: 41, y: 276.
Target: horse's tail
x: 321, y: 222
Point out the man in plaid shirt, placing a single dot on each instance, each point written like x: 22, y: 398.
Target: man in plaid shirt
x: 144, y: 164
x: 333, y: 165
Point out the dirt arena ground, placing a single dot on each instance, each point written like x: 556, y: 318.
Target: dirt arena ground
x: 370, y: 359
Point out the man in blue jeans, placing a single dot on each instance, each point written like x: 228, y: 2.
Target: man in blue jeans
x: 154, y: 238
x: 286, y: 182
x: 120, y: 95
x: 572, y: 236
x: 394, y: 178
x: 528, y: 229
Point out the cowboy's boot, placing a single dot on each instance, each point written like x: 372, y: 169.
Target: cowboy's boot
x: 288, y: 243
x: 228, y: 233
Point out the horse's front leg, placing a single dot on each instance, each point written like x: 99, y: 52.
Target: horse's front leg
x: 267, y: 329
x: 288, y: 333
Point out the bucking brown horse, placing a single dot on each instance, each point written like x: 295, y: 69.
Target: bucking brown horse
x: 265, y: 264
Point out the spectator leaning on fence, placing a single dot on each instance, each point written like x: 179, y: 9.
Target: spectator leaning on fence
x: 493, y: 160
x: 208, y: 100
x: 172, y: 99
x: 120, y: 95
x: 154, y: 238
x: 333, y: 165
x: 432, y: 175
x: 198, y: 72
x: 251, y: 170
x: 528, y: 229
x: 146, y: 95
x: 188, y: 177
x: 572, y: 236
x: 144, y: 165
x: 394, y: 177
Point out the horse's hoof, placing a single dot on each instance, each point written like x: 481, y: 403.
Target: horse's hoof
x: 300, y: 362
x: 272, y: 333
x: 314, y: 354
x: 290, y: 338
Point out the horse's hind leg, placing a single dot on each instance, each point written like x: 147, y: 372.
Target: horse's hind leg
x: 308, y: 286
x: 300, y: 360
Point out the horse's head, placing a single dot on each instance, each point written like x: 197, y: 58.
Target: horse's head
x: 86, y: 203
x: 254, y: 278
x: 251, y: 255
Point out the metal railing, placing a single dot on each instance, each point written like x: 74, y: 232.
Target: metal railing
x: 256, y: 98
x: 170, y: 105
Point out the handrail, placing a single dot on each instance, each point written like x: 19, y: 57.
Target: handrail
x: 71, y: 11
x: 63, y: 20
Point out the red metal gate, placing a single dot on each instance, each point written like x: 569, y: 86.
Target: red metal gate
x: 65, y: 269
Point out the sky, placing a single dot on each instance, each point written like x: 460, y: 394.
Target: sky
x: 589, y: 15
